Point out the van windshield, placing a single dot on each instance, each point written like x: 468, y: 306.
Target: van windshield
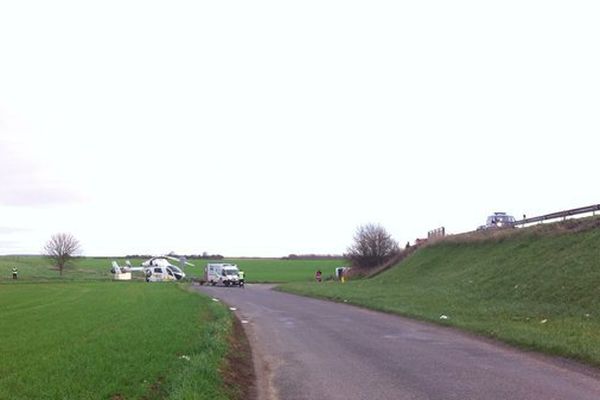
x: 230, y: 271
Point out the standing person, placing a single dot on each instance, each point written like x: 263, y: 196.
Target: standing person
x: 242, y: 276
x: 318, y: 275
x: 15, y: 272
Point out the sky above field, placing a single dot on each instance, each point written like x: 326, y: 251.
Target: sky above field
x: 263, y: 128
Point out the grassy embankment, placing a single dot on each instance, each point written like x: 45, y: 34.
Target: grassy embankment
x: 35, y: 268
x: 113, y: 340
x: 538, y: 288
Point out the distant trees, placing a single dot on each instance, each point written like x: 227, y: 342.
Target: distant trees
x: 206, y: 256
x: 372, y: 246
x: 61, y: 248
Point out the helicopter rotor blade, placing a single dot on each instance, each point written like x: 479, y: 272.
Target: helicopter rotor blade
x: 179, y: 260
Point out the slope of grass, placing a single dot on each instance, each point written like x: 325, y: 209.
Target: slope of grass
x: 110, y: 340
x: 538, y: 287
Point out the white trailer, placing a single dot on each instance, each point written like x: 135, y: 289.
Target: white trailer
x: 222, y: 274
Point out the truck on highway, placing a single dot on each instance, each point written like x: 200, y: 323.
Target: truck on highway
x: 498, y: 220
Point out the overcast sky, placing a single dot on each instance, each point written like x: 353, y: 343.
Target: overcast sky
x: 263, y: 128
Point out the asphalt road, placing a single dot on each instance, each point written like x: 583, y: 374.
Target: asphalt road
x: 317, y: 350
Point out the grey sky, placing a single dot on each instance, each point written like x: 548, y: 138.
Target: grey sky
x: 266, y: 128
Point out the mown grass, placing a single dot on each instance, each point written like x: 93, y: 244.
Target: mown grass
x: 263, y: 270
x: 538, y: 288
x: 110, y: 340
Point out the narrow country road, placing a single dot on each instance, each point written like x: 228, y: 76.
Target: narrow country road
x: 311, y: 349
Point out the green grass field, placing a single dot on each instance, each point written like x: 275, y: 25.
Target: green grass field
x: 110, y: 340
x: 83, y: 336
x: 36, y: 268
x: 538, y: 288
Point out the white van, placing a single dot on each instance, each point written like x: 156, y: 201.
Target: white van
x: 224, y: 274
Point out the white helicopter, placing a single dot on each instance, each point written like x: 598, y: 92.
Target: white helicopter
x: 156, y: 269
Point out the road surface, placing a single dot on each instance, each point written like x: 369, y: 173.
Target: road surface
x: 309, y: 349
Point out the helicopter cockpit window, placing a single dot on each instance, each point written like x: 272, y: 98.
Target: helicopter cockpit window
x: 175, y: 269
x: 169, y: 271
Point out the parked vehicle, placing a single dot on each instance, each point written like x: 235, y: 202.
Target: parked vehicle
x: 222, y: 274
x: 498, y: 220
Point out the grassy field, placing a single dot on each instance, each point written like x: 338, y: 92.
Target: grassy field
x: 278, y: 271
x: 82, y: 336
x: 538, y: 288
x: 35, y: 268
x: 110, y: 340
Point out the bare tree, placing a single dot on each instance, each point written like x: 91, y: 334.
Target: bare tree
x: 372, y: 246
x: 61, y: 248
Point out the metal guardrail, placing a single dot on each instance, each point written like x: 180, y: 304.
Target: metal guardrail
x: 560, y: 214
